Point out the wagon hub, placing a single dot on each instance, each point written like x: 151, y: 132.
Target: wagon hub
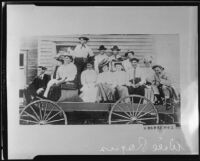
x: 133, y: 118
x: 42, y: 122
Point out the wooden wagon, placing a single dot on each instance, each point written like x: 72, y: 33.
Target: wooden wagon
x: 45, y: 112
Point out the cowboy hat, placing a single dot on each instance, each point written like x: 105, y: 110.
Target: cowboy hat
x: 159, y: 66
x: 129, y: 51
x: 102, y: 47
x: 136, y: 59
x: 42, y: 67
x: 115, y: 47
x: 84, y: 38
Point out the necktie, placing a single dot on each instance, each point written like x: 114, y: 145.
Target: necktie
x: 134, y: 72
x: 83, y: 46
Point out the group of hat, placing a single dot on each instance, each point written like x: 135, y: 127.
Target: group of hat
x: 61, y: 55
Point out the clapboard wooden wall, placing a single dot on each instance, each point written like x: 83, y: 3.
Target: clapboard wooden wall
x: 45, y: 50
x: 31, y: 59
x: 141, y: 44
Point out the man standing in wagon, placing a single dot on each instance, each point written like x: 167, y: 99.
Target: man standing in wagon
x: 82, y: 54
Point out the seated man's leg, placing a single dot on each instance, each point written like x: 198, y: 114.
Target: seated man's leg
x: 28, y: 95
x: 49, y: 85
x: 139, y: 91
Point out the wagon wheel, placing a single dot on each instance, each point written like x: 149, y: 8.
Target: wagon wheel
x: 42, y: 112
x: 133, y: 109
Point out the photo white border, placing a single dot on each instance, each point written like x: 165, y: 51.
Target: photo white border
x: 28, y: 20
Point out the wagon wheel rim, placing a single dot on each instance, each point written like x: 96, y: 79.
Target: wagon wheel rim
x: 140, y: 113
x: 42, y: 112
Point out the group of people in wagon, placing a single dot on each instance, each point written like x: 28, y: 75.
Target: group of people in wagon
x: 102, y: 77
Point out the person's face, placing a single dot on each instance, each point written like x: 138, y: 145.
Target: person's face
x: 134, y: 63
x: 108, y: 54
x: 40, y: 71
x: 105, y: 68
x: 67, y: 60
x: 115, y: 52
x: 102, y: 52
x: 130, y: 55
x: 118, y: 67
x: 82, y: 41
x: 158, y: 70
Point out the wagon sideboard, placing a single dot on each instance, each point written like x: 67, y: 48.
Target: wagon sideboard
x: 104, y: 107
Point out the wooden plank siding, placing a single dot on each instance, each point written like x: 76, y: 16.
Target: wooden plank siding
x: 41, y: 50
x: 141, y: 44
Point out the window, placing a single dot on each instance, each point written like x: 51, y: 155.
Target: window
x: 21, y: 60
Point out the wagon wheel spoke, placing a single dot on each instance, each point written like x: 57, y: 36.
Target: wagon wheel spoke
x: 53, y: 115
x: 55, y: 121
x: 31, y: 116
x: 141, y: 110
x: 138, y: 107
x: 132, y: 106
x: 115, y: 121
x: 34, y: 112
x: 149, y: 118
x: 120, y: 115
x: 140, y: 122
x: 122, y: 110
x: 45, y: 111
x: 145, y: 113
x: 29, y: 121
x: 40, y: 112
x: 49, y: 113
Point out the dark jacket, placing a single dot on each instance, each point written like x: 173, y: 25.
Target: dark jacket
x: 40, y: 83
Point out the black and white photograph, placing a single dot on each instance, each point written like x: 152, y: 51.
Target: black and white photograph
x: 102, y: 80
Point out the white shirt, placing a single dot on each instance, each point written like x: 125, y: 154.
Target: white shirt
x: 120, y: 78
x: 105, y: 77
x: 82, y: 52
x: 98, y: 59
x: 88, y: 77
x: 68, y: 71
x: 139, y: 73
x: 127, y: 64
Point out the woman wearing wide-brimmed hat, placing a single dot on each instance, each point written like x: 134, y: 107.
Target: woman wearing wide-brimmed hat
x: 114, y: 57
x: 65, y: 73
x: 126, y: 63
x: 105, y: 81
x: 98, y: 58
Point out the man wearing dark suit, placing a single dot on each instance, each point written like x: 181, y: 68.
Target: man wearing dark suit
x: 37, y: 86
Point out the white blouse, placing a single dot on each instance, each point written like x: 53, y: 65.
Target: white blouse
x: 68, y: 71
x: 88, y: 77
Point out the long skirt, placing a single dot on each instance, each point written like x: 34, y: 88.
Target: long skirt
x: 105, y: 93
x: 89, y: 93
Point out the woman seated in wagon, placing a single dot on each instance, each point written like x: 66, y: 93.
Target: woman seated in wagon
x: 104, y: 83
x: 120, y: 81
x: 88, y: 82
x: 65, y: 76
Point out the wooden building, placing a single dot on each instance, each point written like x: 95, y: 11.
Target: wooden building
x: 37, y: 51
